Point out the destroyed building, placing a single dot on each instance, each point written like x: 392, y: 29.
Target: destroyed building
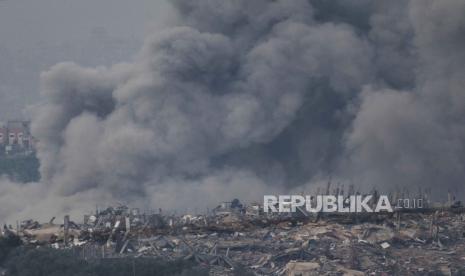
x: 425, y: 241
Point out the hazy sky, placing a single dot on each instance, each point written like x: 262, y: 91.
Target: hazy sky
x: 237, y: 99
x: 25, y: 22
x: 35, y: 34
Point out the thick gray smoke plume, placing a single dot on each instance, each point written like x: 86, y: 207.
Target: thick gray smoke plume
x: 244, y: 98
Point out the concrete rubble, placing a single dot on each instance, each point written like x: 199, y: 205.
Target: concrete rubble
x: 429, y: 241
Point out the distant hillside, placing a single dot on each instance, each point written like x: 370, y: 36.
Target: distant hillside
x: 20, y: 168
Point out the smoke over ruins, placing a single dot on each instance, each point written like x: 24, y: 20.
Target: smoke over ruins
x: 242, y: 98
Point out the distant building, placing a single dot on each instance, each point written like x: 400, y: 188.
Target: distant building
x: 16, y: 138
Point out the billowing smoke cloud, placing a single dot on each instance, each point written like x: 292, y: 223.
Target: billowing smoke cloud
x: 416, y: 137
x: 244, y: 98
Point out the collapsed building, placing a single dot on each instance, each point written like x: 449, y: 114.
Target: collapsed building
x: 421, y: 241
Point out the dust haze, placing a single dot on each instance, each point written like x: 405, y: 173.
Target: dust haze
x: 242, y: 98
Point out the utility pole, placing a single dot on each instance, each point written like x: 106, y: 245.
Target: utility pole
x: 133, y: 267
x: 66, y: 229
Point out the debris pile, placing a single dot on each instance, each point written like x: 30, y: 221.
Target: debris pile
x: 430, y: 241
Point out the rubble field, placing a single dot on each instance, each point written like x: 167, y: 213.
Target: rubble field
x: 426, y: 242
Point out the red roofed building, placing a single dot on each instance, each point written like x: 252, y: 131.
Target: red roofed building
x: 15, y: 136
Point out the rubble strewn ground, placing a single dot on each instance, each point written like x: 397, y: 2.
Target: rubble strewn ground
x: 420, y: 242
